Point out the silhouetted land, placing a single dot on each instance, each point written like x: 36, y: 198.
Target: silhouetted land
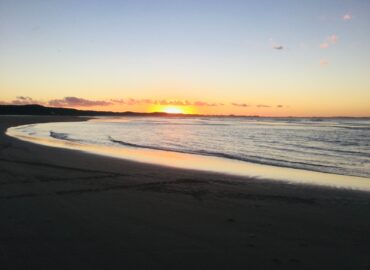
x: 42, y: 110
x: 35, y: 109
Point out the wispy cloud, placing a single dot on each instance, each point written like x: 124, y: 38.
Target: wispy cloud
x: 131, y: 101
x: 22, y: 100
x: 240, y: 104
x: 164, y: 102
x: 257, y: 106
x: 347, y: 17
x: 324, y: 45
x: 278, y: 47
x: 175, y: 102
x: 324, y: 62
x: 82, y: 102
x: 330, y: 40
x: 202, y: 103
x: 77, y: 102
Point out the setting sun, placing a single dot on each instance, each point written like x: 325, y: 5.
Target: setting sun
x: 173, y: 110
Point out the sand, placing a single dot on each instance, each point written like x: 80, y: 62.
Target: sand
x: 64, y: 209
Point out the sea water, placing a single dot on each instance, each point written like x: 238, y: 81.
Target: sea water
x: 335, y: 146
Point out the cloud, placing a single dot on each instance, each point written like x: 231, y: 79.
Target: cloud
x: 164, y: 102
x: 278, y: 47
x: 22, y: 100
x: 258, y: 106
x: 131, y: 101
x: 82, y: 102
x: 77, y: 102
x: 347, y: 17
x: 202, y: 103
x: 186, y: 103
x: 240, y: 104
x: 333, y: 39
x: 275, y: 45
x: 324, y: 62
x: 330, y: 40
x: 324, y: 45
x: 175, y: 102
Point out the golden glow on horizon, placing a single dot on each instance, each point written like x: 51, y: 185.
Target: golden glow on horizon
x: 173, y: 110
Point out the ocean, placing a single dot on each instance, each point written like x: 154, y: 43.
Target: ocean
x: 336, y: 146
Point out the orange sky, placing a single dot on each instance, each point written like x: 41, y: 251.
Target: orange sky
x: 323, y: 107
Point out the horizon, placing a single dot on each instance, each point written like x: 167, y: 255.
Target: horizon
x: 271, y: 59
x: 174, y: 114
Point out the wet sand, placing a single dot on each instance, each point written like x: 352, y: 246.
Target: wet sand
x: 64, y: 209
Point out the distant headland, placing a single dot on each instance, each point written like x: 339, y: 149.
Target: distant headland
x: 36, y: 109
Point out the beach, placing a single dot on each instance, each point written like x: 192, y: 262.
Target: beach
x: 65, y: 209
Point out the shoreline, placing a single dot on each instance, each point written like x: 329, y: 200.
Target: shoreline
x: 203, y: 163
x: 65, y: 208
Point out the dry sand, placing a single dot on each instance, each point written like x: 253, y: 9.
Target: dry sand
x: 64, y: 209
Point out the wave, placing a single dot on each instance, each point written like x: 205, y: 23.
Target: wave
x: 324, y: 151
x: 314, y: 149
x: 181, y: 124
x: 252, y: 159
x: 144, y: 146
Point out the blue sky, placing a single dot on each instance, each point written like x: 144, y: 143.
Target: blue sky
x: 221, y: 51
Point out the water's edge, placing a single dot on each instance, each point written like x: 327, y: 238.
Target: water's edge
x: 204, y: 163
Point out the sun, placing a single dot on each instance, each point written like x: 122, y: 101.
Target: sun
x: 175, y: 110
x: 172, y: 109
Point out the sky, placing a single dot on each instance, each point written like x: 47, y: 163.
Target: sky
x: 268, y: 58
